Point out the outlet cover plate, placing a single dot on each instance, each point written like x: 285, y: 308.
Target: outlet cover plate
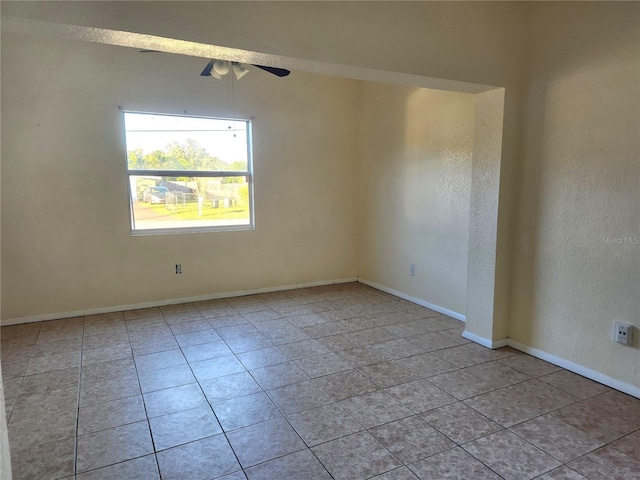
x: 623, y: 333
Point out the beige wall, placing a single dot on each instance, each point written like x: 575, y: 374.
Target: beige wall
x: 415, y: 148
x: 66, y: 244
x: 580, y: 184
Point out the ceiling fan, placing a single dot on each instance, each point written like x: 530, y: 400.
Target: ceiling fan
x: 218, y: 68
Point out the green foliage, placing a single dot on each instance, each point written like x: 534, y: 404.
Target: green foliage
x: 177, y: 156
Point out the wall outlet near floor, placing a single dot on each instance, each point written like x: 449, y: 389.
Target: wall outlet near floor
x: 178, y: 269
x: 623, y: 333
x: 412, y: 270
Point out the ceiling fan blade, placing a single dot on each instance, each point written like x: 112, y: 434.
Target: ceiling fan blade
x: 150, y: 51
x: 207, y: 70
x: 278, y: 72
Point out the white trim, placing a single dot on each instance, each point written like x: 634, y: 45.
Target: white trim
x: 172, y: 301
x: 559, y: 361
x: 485, y: 342
x: 575, y: 368
x: 424, y: 303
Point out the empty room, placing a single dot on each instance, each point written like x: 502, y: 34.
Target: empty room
x: 320, y: 240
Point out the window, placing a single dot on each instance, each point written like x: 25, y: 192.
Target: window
x: 188, y: 173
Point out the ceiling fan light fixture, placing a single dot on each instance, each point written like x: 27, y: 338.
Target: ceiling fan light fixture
x: 220, y: 67
x: 239, y: 70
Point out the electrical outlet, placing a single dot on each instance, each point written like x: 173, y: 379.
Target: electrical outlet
x: 623, y: 333
x: 412, y: 270
x: 178, y: 269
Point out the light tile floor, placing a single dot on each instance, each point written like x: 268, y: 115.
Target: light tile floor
x: 342, y: 382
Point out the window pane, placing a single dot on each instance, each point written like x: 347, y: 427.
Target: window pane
x: 167, y: 142
x: 161, y: 203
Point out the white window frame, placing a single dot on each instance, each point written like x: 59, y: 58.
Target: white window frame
x: 248, y: 174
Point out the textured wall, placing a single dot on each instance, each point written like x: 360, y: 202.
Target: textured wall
x: 65, y: 238
x: 415, y: 148
x: 580, y: 187
x: 483, y: 222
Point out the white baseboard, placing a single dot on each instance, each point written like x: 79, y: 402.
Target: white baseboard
x: 575, y: 368
x: 419, y: 301
x: 485, y: 342
x: 171, y: 301
x: 632, y: 390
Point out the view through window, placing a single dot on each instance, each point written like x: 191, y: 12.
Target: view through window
x: 188, y: 173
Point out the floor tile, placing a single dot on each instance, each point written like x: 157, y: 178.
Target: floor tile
x: 430, y: 342
x: 44, y: 383
x: 455, y: 464
x: 558, y: 439
x: 607, y: 463
x: 594, y: 421
x: 247, y: 410
x: 375, y: 408
x: 325, y: 423
x: 529, y: 365
x: 365, y: 355
x: 510, y: 456
x: 113, y: 413
x: 152, y: 380
x: 56, y: 348
x: 461, y: 384
x: 59, y: 361
x: 297, y: 373
x: 460, y: 423
x: 106, y: 370
x: 262, y: 358
x: 183, y: 427
x: 197, y: 338
x: 562, y: 473
x: 576, y: 385
x: 388, y: 374
x: 36, y: 429
x: 142, y: 467
x: 264, y: 441
x: 111, y: 446
x: 518, y: 403
x: 175, y: 399
x: 402, y: 473
x: 355, y: 457
x: 301, y: 465
x: 238, y: 331
x: 346, y: 384
x: 303, y: 349
x: 325, y: 364
x: 411, y: 439
x: 216, y: 367
x: 619, y: 404
x: 49, y: 460
x: 206, y: 351
x: 629, y: 445
x: 300, y: 396
x: 155, y: 361
x: 61, y: 400
x: 230, y: 386
x: 210, y: 457
x: 105, y: 354
x: 275, y: 376
x: 192, y: 323
x: 155, y: 345
x: 420, y: 396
